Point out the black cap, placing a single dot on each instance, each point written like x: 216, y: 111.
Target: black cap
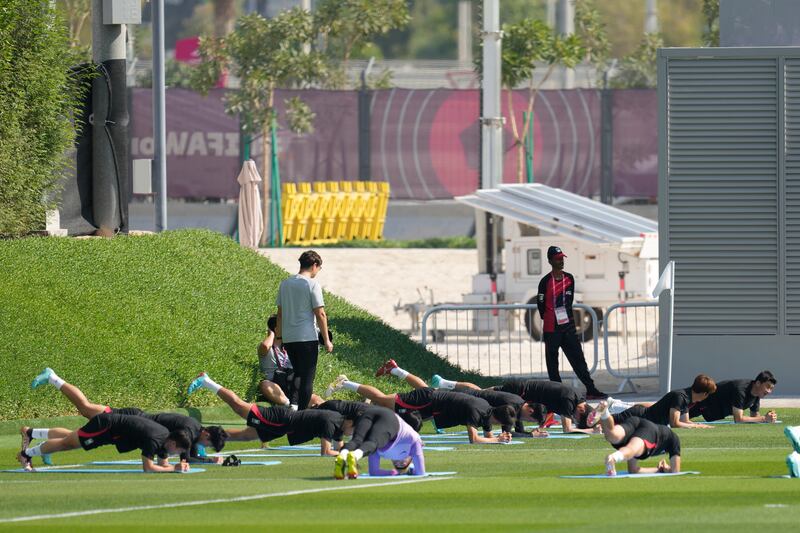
x: 554, y: 251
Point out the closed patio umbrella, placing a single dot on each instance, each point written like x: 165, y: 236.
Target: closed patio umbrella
x: 251, y: 223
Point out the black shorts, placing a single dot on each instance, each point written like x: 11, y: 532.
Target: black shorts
x: 283, y: 378
x: 130, y: 411
x: 636, y: 410
x: 415, y: 400
x: 96, y: 432
x: 266, y: 430
x: 646, y: 432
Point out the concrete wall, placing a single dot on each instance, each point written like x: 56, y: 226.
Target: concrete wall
x: 759, y: 23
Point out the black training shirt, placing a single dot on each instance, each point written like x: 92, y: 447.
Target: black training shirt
x: 680, y: 399
x: 129, y: 433
x: 729, y: 394
x: 556, y: 397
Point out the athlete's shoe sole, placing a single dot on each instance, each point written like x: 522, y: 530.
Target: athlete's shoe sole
x: 42, y: 378
x: 793, y: 434
x: 352, y: 467
x: 596, y: 395
x: 339, y: 467
x: 196, y: 383
x: 26, y: 440
x: 386, y: 368
x: 793, y: 462
x: 335, y: 385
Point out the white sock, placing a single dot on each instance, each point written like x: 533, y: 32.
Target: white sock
x: 343, y: 453
x: 55, y: 381
x: 293, y: 407
x: 399, y: 373
x: 39, y: 433
x: 211, y: 385
x: 358, y: 454
x: 618, y: 457
x: 35, y: 451
x: 447, y: 384
x: 605, y: 415
x: 351, y: 385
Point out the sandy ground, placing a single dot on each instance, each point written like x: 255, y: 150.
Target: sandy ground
x: 377, y: 279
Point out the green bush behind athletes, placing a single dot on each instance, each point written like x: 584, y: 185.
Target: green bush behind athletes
x: 38, y: 95
x: 132, y: 320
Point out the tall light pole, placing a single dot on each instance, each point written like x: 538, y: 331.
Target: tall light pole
x: 159, y: 116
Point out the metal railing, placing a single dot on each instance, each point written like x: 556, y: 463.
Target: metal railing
x: 505, y: 339
x: 634, y: 326
x: 497, y: 339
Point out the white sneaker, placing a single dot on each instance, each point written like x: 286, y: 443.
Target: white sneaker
x: 611, y: 466
x: 335, y: 385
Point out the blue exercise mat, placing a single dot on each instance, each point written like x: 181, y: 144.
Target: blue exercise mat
x: 401, y: 476
x: 623, y: 474
x: 464, y: 441
x: 133, y: 462
x: 91, y: 471
x: 285, y: 454
x: 728, y: 421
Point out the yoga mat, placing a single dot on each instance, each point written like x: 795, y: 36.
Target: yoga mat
x: 726, y: 421
x: 133, y: 462
x: 558, y: 436
x: 296, y: 447
x: 426, y: 474
x: 623, y: 474
x: 91, y: 471
x: 464, y: 441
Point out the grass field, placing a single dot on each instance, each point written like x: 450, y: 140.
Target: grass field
x: 496, y: 488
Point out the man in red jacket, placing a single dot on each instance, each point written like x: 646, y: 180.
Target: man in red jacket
x: 556, y: 293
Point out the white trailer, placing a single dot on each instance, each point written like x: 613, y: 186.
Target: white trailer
x: 613, y: 254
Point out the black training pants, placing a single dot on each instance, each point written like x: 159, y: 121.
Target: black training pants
x: 303, y: 356
x: 373, y: 430
x: 568, y: 341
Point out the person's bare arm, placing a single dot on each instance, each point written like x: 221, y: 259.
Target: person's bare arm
x: 567, y: 427
x: 325, y: 448
x: 475, y: 438
x: 740, y: 418
x: 149, y: 466
x: 322, y: 322
x: 266, y: 344
x: 676, y: 422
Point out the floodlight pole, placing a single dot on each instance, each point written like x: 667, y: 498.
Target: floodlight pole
x: 159, y: 117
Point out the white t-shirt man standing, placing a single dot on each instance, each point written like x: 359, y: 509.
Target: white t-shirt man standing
x: 301, y: 318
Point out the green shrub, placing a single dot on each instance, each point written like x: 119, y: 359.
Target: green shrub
x: 37, y: 97
x: 131, y: 320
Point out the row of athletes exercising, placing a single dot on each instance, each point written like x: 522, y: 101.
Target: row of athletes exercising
x: 387, y: 427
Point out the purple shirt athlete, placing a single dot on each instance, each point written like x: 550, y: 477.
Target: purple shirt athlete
x: 403, y: 450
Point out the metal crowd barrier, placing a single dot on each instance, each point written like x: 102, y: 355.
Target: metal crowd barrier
x: 633, y: 351
x: 495, y: 339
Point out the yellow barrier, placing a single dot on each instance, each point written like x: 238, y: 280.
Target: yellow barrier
x: 330, y: 211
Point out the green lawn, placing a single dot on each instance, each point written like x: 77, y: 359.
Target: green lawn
x: 497, y: 488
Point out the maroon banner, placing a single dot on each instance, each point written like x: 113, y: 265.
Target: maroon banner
x: 425, y: 143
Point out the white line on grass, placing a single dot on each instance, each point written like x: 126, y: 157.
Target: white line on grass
x: 210, y: 502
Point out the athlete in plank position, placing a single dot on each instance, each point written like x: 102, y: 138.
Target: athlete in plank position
x: 732, y: 397
x: 670, y: 408
x: 556, y: 397
x: 448, y: 409
x: 126, y: 432
x: 377, y: 432
x: 269, y: 423
x: 212, y: 436
x: 496, y: 398
x: 636, y: 439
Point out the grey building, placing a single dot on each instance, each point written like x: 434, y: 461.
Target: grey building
x: 729, y: 211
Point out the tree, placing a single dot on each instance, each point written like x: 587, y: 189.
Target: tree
x: 347, y: 25
x: 592, y: 32
x: 39, y: 96
x: 265, y: 54
x: 526, y: 44
x: 711, y: 18
x: 639, y: 70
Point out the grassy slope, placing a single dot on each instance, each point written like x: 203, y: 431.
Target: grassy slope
x: 498, y: 488
x: 133, y: 319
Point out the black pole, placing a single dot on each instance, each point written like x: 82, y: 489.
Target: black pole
x: 364, y: 118
x: 606, y: 145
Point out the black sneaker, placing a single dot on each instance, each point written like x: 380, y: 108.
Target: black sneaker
x: 596, y: 395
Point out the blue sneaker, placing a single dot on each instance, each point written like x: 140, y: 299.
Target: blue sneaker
x: 47, y: 459
x: 197, y: 383
x: 436, y: 381
x: 793, y: 462
x: 42, y: 378
x: 793, y: 434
